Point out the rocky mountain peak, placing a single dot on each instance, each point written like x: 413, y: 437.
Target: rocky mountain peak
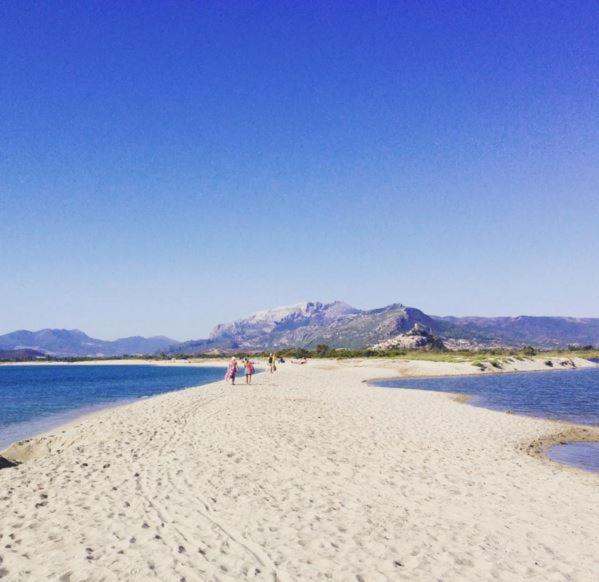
x: 283, y: 319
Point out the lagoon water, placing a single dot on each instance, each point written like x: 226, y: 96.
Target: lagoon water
x: 572, y: 396
x: 34, y: 399
x: 581, y: 455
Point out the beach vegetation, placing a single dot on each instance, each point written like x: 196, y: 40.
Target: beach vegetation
x: 495, y: 357
x: 323, y: 350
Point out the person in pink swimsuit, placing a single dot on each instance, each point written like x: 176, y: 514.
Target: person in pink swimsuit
x: 231, y: 371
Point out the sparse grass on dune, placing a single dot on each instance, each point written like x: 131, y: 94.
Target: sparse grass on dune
x: 434, y: 356
x: 586, y: 354
x: 495, y: 356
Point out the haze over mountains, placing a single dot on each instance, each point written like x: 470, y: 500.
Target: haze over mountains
x: 72, y: 342
x: 336, y: 324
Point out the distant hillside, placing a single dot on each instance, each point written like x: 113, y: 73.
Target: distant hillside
x: 545, y: 332
x: 72, y: 342
x: 338, y: 324
x: 20, y: 355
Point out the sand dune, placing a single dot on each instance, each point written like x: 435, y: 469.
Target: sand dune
x: 308, y: 474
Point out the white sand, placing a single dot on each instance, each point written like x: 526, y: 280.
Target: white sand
x: 309, y: 474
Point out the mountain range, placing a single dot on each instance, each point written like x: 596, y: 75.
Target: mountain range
x: 340, y: 325
x: 72, y: 342
x: 336, y: 324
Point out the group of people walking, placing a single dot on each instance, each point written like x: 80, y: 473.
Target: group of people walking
x: 248, y: 366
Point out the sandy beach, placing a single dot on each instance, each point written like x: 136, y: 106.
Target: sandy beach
x: 308, y: 474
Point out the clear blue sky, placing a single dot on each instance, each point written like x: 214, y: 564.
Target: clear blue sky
x: 165, y: 166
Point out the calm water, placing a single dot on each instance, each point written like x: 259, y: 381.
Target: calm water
x: 34, y: 399
x: 572, y: 396
x: 581, y: 455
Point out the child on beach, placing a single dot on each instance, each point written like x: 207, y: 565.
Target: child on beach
x: 249, y: 370
x: 272, y: 363
x: 231, y: 371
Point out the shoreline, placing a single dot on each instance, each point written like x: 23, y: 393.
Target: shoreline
x: 307, y: 472
x: 127, y: 362
x: 572, y: 432
x: 59, y: 420
x: 487, y: 373
x: 76, y: 415
x: 460, y: 397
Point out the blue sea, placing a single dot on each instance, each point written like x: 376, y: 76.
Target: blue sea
x: 572, y: 396
x: 34, y: 399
